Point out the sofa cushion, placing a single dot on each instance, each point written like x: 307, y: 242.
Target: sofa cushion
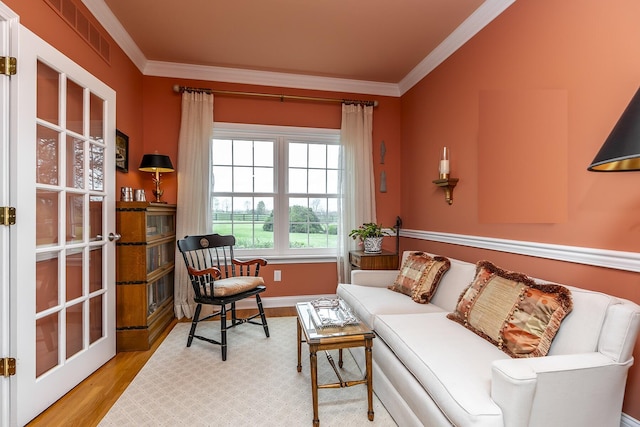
x: 453, y: 283
x: 582, y: 329
x: 419, y: 276
x: 512, y: 311
x: 232, y: 286
x: 452, y: 364
x: 367, y: 302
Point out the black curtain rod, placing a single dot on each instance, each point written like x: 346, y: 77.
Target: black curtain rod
x: 180, y: 89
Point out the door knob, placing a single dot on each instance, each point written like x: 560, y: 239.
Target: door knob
x: 113, y: 237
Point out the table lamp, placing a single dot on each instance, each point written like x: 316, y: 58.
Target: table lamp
x: 156, y: 164
x: 621, y: 151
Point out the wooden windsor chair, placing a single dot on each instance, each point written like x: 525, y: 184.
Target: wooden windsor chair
x: 219, y: 279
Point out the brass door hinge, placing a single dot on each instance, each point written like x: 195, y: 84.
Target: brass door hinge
x: 7, y: 366
x: 7, y: 215
x: 8, y: 65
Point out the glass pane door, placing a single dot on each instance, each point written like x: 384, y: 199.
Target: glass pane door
x: 70, y: 149
x: 63, y: 184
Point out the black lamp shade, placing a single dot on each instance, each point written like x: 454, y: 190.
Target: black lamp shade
x: 621, y: 151
x: 156, y: 163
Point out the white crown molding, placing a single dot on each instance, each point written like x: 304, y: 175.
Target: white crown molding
x: 474, y: 23
x: 268, y: 78
x: 108, y: 20
x: 628, y: 261
x: 7, y: 14
x: 486, y: 13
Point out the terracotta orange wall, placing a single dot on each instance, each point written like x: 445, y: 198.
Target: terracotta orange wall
x: 161, y: 120
x: 587, y: 48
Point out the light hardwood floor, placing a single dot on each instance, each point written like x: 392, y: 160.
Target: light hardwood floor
x: 89, y: 401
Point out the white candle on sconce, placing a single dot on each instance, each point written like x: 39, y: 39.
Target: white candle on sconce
x: 444, y: 164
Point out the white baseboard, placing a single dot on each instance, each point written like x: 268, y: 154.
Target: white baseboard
x: 274, y: 302
x: 628, y: 421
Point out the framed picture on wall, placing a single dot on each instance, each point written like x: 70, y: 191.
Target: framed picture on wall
x: 122, y: 152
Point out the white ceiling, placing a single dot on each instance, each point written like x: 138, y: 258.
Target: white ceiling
x: 384, y: 48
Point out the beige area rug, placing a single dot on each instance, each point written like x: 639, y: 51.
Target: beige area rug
x: 258, y: 385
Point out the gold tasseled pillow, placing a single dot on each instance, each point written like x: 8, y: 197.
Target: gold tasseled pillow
x: 511, y: 311
x: 420, y: 275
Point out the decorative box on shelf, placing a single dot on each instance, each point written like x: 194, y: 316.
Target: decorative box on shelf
x: 384, y: 260
x: 144, y: 272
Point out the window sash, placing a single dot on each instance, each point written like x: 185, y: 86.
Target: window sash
x: 283, y: 136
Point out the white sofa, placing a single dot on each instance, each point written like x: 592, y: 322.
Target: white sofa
x: 431, y: 371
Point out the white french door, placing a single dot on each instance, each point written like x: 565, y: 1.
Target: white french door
x: 62, y: 310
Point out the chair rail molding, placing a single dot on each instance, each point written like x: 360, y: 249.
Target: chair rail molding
x: 628, y: 421
x: 619, y: 260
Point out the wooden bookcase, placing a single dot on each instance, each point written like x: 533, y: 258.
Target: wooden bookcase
x: 144, y: 272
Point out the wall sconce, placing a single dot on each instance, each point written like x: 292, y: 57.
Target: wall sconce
x: 444, y: 182
x: 156, y: 163
x: 621, y: 151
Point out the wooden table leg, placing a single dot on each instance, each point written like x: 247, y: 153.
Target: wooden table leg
x: 368, y: 344
x: 299, y: 346
x: 314, y: 383
x: 340, y: 358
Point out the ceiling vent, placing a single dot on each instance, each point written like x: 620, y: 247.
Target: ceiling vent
x: 80, y: 22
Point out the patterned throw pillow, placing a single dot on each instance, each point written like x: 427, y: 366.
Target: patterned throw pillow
x: 420, y: 275
x: 511, y: 311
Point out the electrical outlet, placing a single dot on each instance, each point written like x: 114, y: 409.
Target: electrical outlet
x: 277, y: 276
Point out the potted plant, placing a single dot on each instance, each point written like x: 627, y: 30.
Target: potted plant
x: 371, y: 235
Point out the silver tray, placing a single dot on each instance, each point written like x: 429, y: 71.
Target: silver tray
x: 332, y: 313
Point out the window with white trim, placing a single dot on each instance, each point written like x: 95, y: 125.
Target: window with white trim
x: 275, y: 188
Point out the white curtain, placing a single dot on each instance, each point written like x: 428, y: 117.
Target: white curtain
x: 196, y: 129
x: 357, y: 199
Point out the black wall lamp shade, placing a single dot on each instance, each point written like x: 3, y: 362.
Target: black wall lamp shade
x: 156, y: 162
x: 621, y: 151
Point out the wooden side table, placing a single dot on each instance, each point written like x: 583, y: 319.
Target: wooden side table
x: 383, y: 261
x: 335, y: 338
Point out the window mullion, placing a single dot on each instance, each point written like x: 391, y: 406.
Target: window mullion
x: 281, y: 215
